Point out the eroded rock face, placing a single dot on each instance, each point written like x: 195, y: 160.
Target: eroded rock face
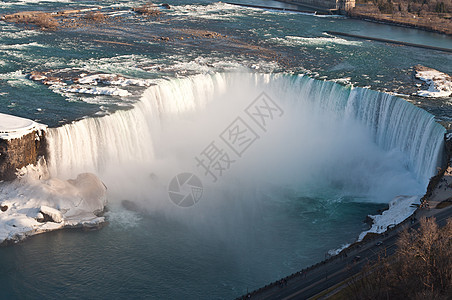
x: 19, y: 152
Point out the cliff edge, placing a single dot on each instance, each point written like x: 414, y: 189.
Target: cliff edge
x: 22, y: 142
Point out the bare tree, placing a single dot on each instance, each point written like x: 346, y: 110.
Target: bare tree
x: 421, y: 268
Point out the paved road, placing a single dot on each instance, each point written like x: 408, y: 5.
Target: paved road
x: 304, y: 285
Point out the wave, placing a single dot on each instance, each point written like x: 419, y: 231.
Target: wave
x: 317, y: 41
x: 215, y: 11
x: 21, y: 46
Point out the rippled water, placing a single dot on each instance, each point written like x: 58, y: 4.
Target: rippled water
x: 297, y: 41
x: 152, y: 257
x: 253, y: 236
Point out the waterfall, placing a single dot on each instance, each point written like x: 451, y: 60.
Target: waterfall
x: 131, y: 136
x: 392, y: 122
x: 91, y: 144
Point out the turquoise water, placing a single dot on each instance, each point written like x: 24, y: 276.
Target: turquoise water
x: 297, y: 40
x: 236, y: 239
x: 164, y: 259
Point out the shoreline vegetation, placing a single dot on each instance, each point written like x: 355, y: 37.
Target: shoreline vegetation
x: 434, y: 16
x: 420, y: 269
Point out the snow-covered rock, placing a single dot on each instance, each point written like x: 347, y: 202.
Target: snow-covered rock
x: 37, y: 76
x: 37, y: 203
x: 438, y: 84
x: 53, y: 213
x: 12, y: 127
x: 400, y: 208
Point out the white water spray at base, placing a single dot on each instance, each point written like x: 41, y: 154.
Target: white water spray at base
x: 332, y: 141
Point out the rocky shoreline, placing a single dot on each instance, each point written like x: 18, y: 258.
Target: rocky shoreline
x: 31, y: 201
x: 384, y: 19
x: 34, y: 203
x: 26, y: 235
x: 368, y: 12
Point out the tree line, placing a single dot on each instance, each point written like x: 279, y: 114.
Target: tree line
x: 421, y: 268
x: 410, y: 6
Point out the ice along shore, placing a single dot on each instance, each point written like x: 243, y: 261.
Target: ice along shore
x: 31, y: 202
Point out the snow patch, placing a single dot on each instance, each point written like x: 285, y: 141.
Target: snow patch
x: 334, y: 252
x: 400, y: 208
x: 69, y: 203
x: 53, y: 213
x: 12, y: 127
x: 438, y: 84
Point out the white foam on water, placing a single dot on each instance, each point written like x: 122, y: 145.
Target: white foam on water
x: 22, y: 46
x: 123, y: 64
x: 17, y: 79
x: 93, y: 90
x: 122, y: 218
x: 316, y: 41
x: 205, y: 65
x: 27, y: 2
x: 214, y: 11
x: 338, y: 250
x: 12, y: 32
x: 113, y: 79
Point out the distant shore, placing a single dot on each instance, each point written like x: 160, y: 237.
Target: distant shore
x: 367, y: 11
x: 405, y: 22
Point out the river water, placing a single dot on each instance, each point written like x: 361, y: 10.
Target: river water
x: 334, y: 155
